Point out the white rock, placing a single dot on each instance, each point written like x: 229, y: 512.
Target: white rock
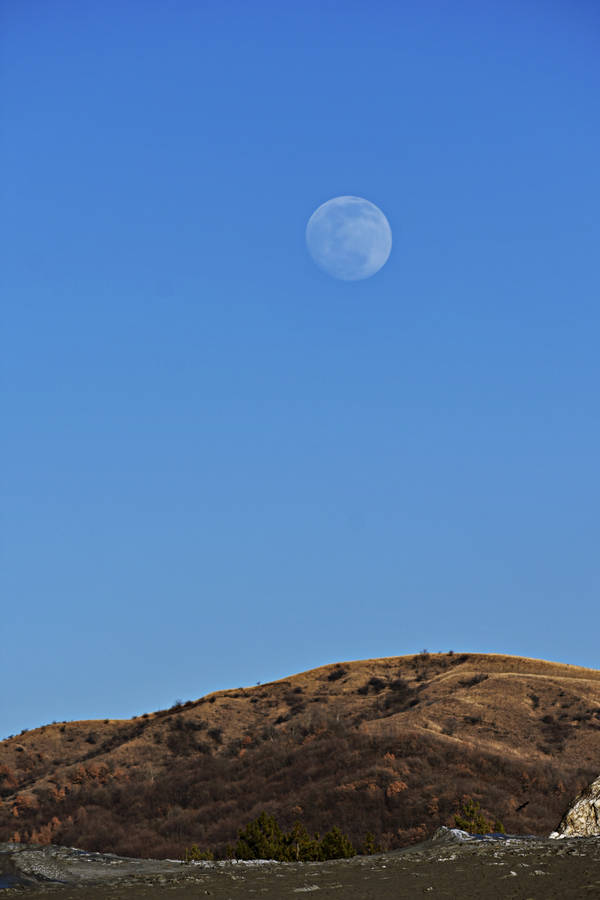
x: 582, y: 819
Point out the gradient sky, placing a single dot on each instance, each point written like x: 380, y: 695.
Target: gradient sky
x: 220, y: 465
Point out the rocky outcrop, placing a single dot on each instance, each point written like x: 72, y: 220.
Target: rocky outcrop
x: 582, y: 819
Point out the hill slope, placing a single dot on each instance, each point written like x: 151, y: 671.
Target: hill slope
x: 386, y: 745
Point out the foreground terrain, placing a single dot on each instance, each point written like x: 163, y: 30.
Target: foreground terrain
x: 390, y: 746
x: 449, y: 866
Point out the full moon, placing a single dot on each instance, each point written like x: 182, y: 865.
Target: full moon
x: 348, y: 237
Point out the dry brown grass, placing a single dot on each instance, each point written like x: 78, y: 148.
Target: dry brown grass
x: 386, y: 745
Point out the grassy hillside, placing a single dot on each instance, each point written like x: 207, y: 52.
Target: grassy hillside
x: 386, y: 745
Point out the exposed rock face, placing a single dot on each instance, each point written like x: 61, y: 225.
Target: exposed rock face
x: 582, y: 819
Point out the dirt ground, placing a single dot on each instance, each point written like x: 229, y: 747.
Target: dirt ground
x: 471, y: 870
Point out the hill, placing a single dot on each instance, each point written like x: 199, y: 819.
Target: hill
x: 389, y: 746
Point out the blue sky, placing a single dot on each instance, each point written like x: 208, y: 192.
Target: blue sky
x: 220, y: 465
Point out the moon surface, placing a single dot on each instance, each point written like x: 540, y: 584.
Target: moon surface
x: 349, y: 237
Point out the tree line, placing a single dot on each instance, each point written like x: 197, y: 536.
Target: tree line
x: 263, y: 838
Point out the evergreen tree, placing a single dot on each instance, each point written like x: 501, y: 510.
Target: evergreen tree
x: 300, y: 845
x: 470, y: 818
x: 370, y: 845
x: 336, y: 845
x: 261, y: 839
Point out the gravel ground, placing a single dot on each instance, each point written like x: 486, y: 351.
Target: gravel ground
x: 448, y: 866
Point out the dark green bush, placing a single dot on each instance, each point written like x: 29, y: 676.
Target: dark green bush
x: 195, y: 854
x: 470, y: 818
